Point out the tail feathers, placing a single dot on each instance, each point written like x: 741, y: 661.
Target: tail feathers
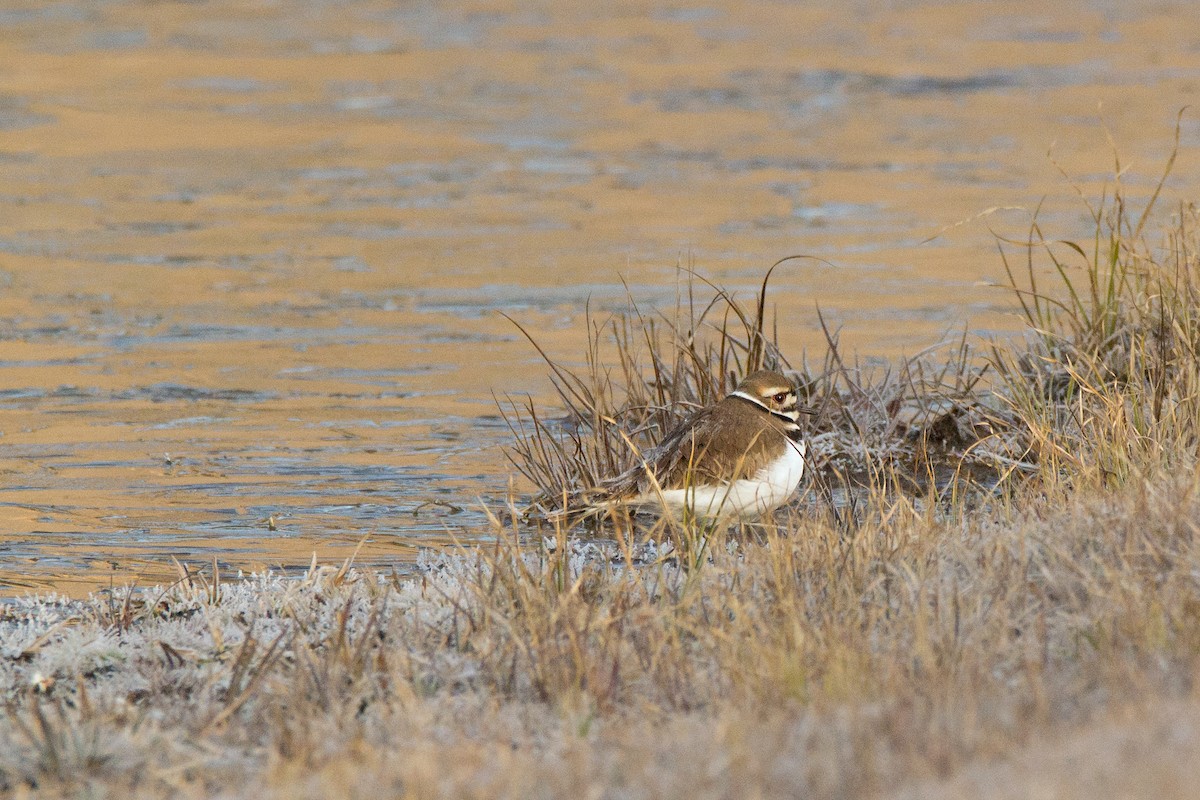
x: 580, y: 504
x: 576, y: 505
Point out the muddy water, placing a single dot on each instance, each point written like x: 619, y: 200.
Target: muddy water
x: 252, y: 254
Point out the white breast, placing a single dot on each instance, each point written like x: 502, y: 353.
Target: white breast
x: 747, y: 498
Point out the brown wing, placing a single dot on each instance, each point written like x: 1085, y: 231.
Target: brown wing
x: 659, y: 459
x: 710, y: 447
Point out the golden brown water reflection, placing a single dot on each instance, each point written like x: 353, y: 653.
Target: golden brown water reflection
x: 251, y: 253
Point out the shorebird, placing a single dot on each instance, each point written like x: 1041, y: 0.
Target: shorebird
x: 739, y: 458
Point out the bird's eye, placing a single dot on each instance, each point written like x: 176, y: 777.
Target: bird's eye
x: 779, y: 398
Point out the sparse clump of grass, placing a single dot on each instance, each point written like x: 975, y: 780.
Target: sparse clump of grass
x: 922, y: 425
x: 1103, y: 385
x: 1107, y: 382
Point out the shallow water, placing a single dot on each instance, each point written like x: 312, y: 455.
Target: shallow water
x: 252, y: 255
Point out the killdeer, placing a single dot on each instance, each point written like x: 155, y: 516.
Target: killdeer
x: 742, y: 457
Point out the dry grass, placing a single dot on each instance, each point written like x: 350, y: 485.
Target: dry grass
x: 1107, y: 383
x: 926, y: 637
x: 810, y: 664
x: 925, y: 425
x: 1103, y: 386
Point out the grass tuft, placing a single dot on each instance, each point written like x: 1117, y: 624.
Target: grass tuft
x: 924, y: 426
x: 1106, y: 383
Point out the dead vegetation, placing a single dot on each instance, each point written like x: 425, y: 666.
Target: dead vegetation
x: 924, y: 424
x: 1104, y: 384
x: 810, y: 664
x: 1001, y: 560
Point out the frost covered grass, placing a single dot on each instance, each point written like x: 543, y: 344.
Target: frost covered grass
x: 993, y: 590
x: 809, y: 664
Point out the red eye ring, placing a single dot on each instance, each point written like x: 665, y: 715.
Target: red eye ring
x: 779, y: 398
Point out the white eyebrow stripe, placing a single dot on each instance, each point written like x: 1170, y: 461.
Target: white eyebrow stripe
x: 754, y: 400
x: 777, y: 390
x: 785, y: 414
